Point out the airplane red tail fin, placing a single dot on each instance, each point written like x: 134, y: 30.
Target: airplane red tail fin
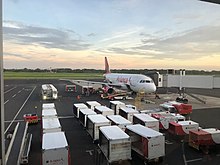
x: 107, y: 70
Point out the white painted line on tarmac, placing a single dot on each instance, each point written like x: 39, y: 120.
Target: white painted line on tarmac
x: 6, y: 102
x: 66, y: 117
x: 19, y: 91
x: 9, y: 121
x: 9, y: 90
x: 14, y: 96
x: 20, y: 109
x: 194, y: 160
x: 90, y: 152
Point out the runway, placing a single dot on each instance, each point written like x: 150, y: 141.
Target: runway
x: 24, y: 96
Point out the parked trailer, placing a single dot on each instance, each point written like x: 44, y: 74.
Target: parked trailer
x: 204, y: 138
x: 120, y: 121
x: 164, y: 119
x: 92, y: 104
x: 94, y: 122
x: 179, y: 117
x: 51, y: 125
x: 182, y: 127
x: 146, y: 142
x: 49, y: 113
x: 114, y: 143
x: 104, y: 110
x: 127, y: 113
x: 83, y: 114
x: 77, y: 107
x: 181, y: 108
x: 115, y: 105
x: 48, y: 106
x: 146, y: 120
x: 55, y: 149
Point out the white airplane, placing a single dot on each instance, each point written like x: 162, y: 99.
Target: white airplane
x: 130, y: 82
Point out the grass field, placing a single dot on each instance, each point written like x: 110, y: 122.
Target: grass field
x: 48, y: 75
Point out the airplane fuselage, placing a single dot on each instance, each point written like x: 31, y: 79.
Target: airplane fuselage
x: 133, y: 82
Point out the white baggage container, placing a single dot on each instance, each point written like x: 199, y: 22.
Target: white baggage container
x: 146, y: 120
x: 77, y: 107
x: 51, y: 124
x: 48, y: 106
x: 49, y: 113
x: 127, y: 113
x: 55, y: 150
x: 146, y: 142
x: 83, y: 114
x: 94, y: 122
x: 120, y: 121
x: 92, y: 104
x: 114, y: 143
x: 115, y: 105
x: 104, y: 110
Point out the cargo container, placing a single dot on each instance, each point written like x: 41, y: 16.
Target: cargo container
x: 182, y: 127
x: 146, y: 142
x: 146, y: 120
x: 94, y: 122
x: 118, y: 120
x: 164, y: 119
x: 83, y: 114
x: 77, y: 107
x: 114, y: 143
x: 92, y: 104
x: 104, y: 110
x: 51, y: 124
x: 55, y: 149
x: 49, y: 113
x: 181, y: 108
x: 48, y: 105
x: 178, y: 116
x: 127, y: 113
x: 204, y: 138
x: 115, y: 105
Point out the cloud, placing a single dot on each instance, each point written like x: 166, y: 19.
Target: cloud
x: 47, y: 37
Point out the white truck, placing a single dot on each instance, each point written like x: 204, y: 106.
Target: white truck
x: 55, y: 149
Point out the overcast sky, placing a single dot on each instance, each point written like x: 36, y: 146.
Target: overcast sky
x: 131, y: 33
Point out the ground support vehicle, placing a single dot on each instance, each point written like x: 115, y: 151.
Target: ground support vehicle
x: 87, y: 90
x: 105, y: 111
x: 181, y: 129
x: 94, y: 122
x: 183, y: 109
x: 83, y: 114
x: 127, y: 113
x: 118, y: 120
x: 147, y: 143
x: 92, y: 104
x: 70, y: 88
x: 204, y: 138
x: 49, y: 92
x: 77, y: 107
x: 55, y: 149
x: 114, y: 143
x: 51, y: 125
x: 31, y: 118
x: 146, y: 120
x: 116, y: 105
x: 115, y: 96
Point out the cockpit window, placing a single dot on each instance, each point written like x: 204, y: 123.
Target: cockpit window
x: 146, y: 81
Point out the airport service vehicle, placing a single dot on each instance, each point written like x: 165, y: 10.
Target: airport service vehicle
x: 83, y: 114
x: 115, y: 96
x: 164, y: 119
x: 103, y: 110
x: 77, y: 107
x: 181, y: 108
x: 49, y: 92
x: 204, y: 138
x: 146, y: 142
x: 55, y: 149
x: 130, y: 82
x: 127, y: 113
x: 48, y: 106
x: 92, y: 104
x: 182, y: 128
x: 70, y: 88
x: 118, y: 120
x: 115, y: 105
x: 49, y: 113
x: 114, y: 143
x: 31, y: 118
x: 146, y: 120
x: 51, y: 125
x: 94, y: 122
x: 86, y: 90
